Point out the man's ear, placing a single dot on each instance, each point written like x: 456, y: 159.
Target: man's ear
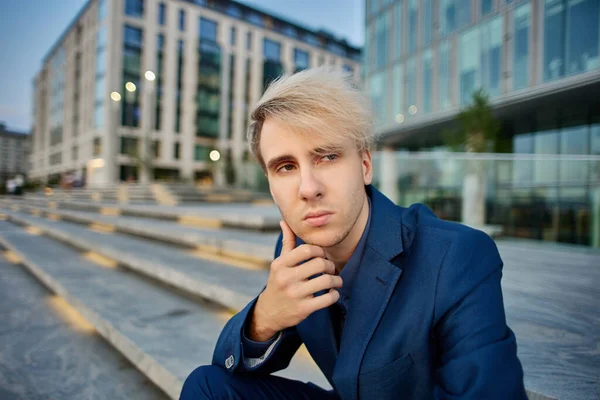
x: 367, y: 167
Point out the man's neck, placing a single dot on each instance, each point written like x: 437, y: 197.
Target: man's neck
x: 341, y: 253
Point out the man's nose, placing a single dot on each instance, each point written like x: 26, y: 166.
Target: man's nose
x: 310, y: 185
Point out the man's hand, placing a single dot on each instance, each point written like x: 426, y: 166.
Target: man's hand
x: 288, y: 298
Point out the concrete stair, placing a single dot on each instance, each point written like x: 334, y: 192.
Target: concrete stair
x: 166, y: 325
x: 245, y: 216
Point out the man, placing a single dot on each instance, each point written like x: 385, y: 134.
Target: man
x: 391, y: 302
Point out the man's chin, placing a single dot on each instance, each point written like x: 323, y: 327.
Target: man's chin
x: 321, y: 237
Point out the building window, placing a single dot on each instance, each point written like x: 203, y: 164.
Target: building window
x: 300, y: 60
x: 134, y: 8
x: 132, y: 54
x: 102, y: 9
x: 398, y: 94
x: 411, y: 86
x: 469, y: 64
x: 247, y: 92
x: 413, y: 11
x: 486, y: 6
x: 574, y: 140
x: 156, y: 147
x: 179, y: 85
x: 583, y: 33
x: 522, y: 25
x: 231, y: 100
x: 181, y: 20
x: 208, y: 94
x: 160, y: 57
x: 554, y: 45
x: 376, y: 89
x: 232, y: 36
x: 427, y: 80
x: 381, y: 40
x: 271, y: 50
x: 162, y: 11
x: 454, y: 14
x: 208, y: 29
x: 249, y: 41
x: 201, y: 153
x: 427, y: 21
x: 176, y: 150
x: 234, y: 11
x: 398, y: 25
x: 491, y: 55
x: 129, y: 146
x: 97, y: 147
x: 272, y: 67
x: 444, y: 93
x: 255, y: 19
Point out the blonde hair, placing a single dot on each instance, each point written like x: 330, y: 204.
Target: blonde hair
x: 319, y: 102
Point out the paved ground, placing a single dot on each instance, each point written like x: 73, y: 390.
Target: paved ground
x: 46, y: 354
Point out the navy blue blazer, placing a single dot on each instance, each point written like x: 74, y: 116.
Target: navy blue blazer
x: 425, y: 320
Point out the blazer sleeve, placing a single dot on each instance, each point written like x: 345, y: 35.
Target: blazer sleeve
x: 231, y: 346
x: 477, y: 350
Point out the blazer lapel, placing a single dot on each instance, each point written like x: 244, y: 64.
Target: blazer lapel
x: 375, y: 283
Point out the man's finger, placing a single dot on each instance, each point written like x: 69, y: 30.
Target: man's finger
x: 289, y: 238
x: 324, y: 300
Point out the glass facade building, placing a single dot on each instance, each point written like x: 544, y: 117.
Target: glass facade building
x: 539, y: 62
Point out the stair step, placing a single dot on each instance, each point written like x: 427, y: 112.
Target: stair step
x: 48, y: 351
x: 164, y: 334
x: 255, y: 247
x: 265, y: 218
x: 226, y: 285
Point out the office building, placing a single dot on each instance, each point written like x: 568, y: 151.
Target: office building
x: 14, y: 154
x: 149, y: 89
x: 539, y: 62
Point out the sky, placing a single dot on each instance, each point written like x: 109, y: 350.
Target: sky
x: 29, y: 28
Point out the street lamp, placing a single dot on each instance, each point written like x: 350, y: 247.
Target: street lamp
x: 147, y: 124
x: 150, y: 76
x: 215, y: 155
x: 112, y: 151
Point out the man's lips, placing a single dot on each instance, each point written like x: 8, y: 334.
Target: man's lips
x: 317, y: 218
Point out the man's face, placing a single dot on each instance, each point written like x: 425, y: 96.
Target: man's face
x: 318, y: 187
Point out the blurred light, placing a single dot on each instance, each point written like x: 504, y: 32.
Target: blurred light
x: 215, y: 155
x: 130, y: 86
x: 149, y: 75
x: 116, y: 96
x: 97, y: 163
x: 399, y: 118
x: 412, y: 110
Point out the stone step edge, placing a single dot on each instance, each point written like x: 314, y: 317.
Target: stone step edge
x: 216, y: 294
x: 206, y: 244
x: 255, y: 223
x: 146, y: 364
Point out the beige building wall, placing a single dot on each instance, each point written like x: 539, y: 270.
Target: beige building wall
x: 79, y: 135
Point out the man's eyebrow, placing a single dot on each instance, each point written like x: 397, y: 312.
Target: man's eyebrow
x: 323, y: 150
x: 278, y: 160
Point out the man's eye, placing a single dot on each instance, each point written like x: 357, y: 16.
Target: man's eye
x: 286, y: 167
x: 330, y: 157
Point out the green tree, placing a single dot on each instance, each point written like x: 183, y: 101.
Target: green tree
x: 478, y: 130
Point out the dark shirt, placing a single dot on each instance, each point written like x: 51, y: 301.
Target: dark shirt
x: 348, y: 275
